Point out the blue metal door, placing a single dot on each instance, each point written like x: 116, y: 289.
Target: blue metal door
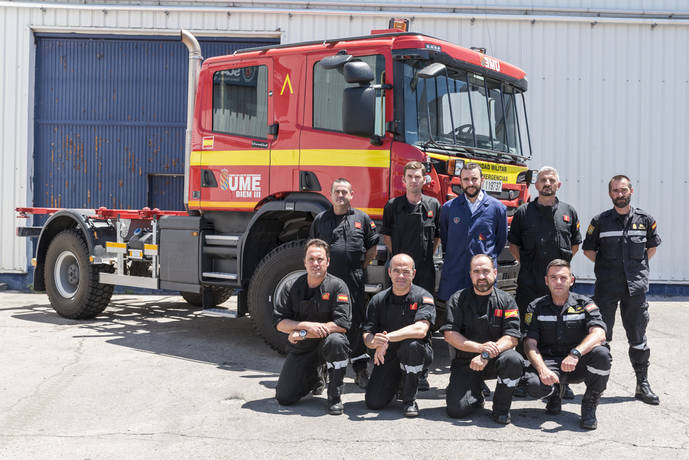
x: 110, y: 119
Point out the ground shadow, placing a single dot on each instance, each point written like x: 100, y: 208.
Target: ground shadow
x: 171, y: 327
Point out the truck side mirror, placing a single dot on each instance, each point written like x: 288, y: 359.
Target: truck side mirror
x: 358, y: 103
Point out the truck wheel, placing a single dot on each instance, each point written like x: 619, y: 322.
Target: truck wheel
x: 279, y: 266
x: 71, y: 281
x: 220, y: 295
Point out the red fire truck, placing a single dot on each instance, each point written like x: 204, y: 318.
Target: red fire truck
x: 268, y: 131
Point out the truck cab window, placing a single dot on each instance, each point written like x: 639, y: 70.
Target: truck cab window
x: 328, y: 86
x: 240, y: 101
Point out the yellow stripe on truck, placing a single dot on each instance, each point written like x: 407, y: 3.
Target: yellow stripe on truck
x: 346, y: 157
x: 308, y: 157
x: 496, y: 171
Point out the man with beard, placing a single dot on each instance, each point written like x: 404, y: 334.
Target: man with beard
x: 620, y: 242
x: 398, y: 326
x: 473, y: 223
x: 542, y: 230
x: 483, y: 325
x: 352, y: 237
x: 315, y: 313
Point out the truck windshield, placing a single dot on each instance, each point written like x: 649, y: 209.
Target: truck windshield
x: 464, y: 109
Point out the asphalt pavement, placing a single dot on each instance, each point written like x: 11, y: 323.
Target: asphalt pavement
x: 153, y: 378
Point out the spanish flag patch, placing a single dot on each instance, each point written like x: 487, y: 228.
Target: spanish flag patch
x: 653, y: 227
x: 428, y: 300
x: 373, y: 224
x: 326, y: 296
x: 590, y: 307
x: 511, y: 313
x: 342, y: 298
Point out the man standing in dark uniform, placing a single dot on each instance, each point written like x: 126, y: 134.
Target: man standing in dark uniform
x: 566, y: 341
x: 620, y: 242
x: 352, y: 237
x: 483, y: 325
x: 398, y: 326
x: 410, y: 225
x: 315, y: 312
x: 542, y: 230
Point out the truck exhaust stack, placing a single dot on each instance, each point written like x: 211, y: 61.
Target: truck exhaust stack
x: 195, y: 59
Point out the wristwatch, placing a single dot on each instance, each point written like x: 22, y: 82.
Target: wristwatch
x: 576, y: 353
x: 485, y: 355
x: 302, y: 333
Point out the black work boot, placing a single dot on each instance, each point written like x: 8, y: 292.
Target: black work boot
x: 554, y: 404
x: 361, y: 377
x: 335, y: 406
x: 319, y: 387
x: 589, y: 403
x: 643, y: 388
x: 423, y: 381
x: 520, y: 391
x: 411, y: 409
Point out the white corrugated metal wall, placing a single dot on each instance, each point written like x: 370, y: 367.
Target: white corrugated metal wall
x: 607, y: 94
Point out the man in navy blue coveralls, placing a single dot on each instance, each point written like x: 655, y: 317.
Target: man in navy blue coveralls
x: 473, y: 223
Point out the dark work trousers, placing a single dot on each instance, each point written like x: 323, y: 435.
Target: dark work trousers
x: 593, y: 369
x: 404, y: 362
x: 464, y: 392
x: 299, y: 373
x: 634, y: 313
x: 356, y: 284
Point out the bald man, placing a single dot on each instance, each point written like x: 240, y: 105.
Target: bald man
x: 398, y: 327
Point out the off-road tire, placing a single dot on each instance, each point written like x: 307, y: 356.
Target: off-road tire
x: 274, y: 267
x: 220, y: 295
x: 73, y: 286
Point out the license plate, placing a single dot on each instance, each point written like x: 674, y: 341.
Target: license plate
x: 491, y: 185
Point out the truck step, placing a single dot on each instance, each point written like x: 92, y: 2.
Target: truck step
x: 222, y: 240
x: 218, y: 312
x: 220, y: 275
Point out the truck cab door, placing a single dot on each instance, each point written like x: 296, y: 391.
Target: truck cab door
x: 234, y: 158
x: 327, y: 153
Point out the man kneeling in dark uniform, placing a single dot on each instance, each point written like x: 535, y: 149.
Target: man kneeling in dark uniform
x: 483, y: 325
x: 398, y: 326
x: 566, y: 341
x: 314, y: 310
